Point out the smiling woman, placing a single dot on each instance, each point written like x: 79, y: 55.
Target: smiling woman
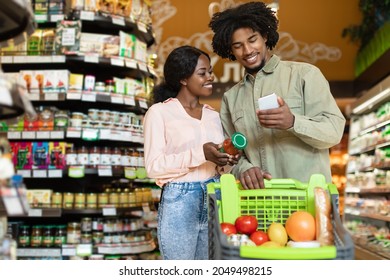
x: 182, y: 138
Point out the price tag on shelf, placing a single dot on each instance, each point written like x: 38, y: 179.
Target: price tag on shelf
x: 20, y: 59
x: 28, y: 135
x: 35, y: 212
x: 55, y: 18
x: 40, y: 18
x: 143, y: 104
x: 55, y: 173
x: 43, y: 135
x: 129, y: 100
x: 89, y: 97
x: 143, y: 67
x: 51, y: 96
x: 39, y: 174
x: 57, y: 134
x: 73, y: 95
x: 117, y: 99
x: 127, y: 136
x: 131, y: 63
x: 73, y: 133
x: 6, y: 59
x: 24, y: 172
x: 14, y: 135
x: 87, y: 15
x: 90, y: 134
x: 117, y: 62
x: 40, y: 59
x: 118, y: 20
x: 105, y: 134
x: 109, y: 211
x: 68, y: 250
x: 34, y: 96
x: 142, y: 27
x: 58, y: 58
x: 91, y: 58
x: 104, y: 171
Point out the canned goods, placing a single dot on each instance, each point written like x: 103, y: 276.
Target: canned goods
x: 79, y: 200
x: 91, y: 200
x: 100, y: 87
x: 86, y: 224
x: 56, y: 200
x: 73, y: 235
x: 68, y: 200
x: 102, y: 199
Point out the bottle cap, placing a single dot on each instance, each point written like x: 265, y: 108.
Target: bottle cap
x: 239, y: 141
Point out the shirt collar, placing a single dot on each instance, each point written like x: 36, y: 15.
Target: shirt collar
x: 268, y: 68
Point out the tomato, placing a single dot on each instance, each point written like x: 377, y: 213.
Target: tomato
x: 228, y: 228
x: 246, y: 224
x: 301, y: 226
x: 259, y: 237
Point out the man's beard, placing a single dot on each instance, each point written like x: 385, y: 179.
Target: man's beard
x: 254, y: 70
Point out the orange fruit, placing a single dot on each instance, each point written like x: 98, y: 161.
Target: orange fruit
x: 301, y: 226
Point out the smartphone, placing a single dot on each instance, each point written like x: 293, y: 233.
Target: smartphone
x: 268, y: 102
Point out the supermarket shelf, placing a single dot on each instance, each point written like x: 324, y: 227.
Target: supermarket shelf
x: 370, y: 149
x: 38, y: 252
x: 373, y: 127
x: 357, y: 213
x: 362, y: 253
x: 58, y: 212
x: 376, y: 190
x: 133, y: 248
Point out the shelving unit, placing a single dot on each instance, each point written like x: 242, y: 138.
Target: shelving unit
x: 17, y: 24
x: 80, y: 179
x: 367, y: 210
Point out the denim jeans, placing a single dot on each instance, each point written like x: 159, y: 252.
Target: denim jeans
x: 182, y: 230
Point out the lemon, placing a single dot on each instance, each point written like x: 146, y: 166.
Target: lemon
x: 277, y: 233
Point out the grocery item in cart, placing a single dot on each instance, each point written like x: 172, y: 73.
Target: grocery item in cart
x: 274, y: 204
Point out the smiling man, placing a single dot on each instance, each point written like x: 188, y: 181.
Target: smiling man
x: 293, y: 139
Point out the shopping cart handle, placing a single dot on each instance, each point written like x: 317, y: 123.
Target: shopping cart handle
x: 284, y: 184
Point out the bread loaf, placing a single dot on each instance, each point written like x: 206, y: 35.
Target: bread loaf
x: 324, y: 228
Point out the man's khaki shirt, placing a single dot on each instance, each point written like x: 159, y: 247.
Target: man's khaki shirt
x: 300, y: 151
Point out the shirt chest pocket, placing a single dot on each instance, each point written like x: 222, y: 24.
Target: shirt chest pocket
x: 238, y: 120
x: 295, y: 105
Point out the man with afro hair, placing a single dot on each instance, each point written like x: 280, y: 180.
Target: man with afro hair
x: 291, y: 140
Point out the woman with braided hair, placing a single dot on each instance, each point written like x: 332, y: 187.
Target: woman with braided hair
x: 291, y: 140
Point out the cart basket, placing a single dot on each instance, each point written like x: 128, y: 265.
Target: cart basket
x: 275, y: 203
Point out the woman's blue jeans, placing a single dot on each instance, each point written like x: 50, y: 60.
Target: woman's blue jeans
x: 182, y: 230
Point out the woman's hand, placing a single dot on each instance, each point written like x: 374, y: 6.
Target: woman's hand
x: 253, y: 178
x: 212, y: 153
